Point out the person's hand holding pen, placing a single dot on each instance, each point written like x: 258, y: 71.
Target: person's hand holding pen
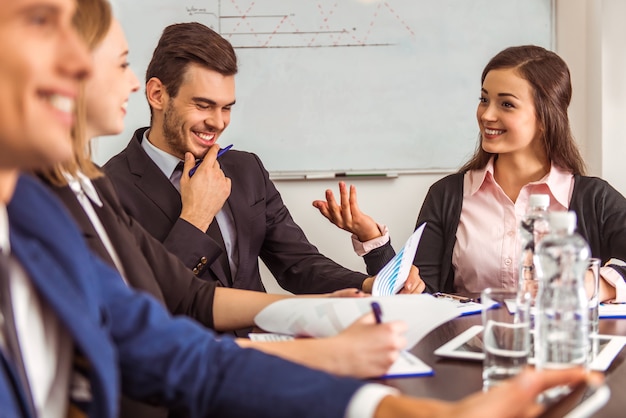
x: 221, y: 152
x: 378, y: 312
x: 204, y: 194
x: 371, y: 347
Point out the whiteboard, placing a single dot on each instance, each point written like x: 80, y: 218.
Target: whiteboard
x: 346, y: 86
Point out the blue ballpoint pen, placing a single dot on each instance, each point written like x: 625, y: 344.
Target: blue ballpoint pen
x: 378, y: 313
x: 219, y: 154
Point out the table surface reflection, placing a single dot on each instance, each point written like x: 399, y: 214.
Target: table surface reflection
x: 454, y: 379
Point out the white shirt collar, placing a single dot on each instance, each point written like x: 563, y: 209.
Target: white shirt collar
x: 166, y: 162
x: 559, y: 181
x: 80, y: 183
x: 5, y: 245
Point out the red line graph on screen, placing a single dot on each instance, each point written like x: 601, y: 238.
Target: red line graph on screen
x: 250, y: 24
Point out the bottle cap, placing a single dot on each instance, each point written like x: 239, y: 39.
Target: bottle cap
x: 560, y: 220
x: 542, y: 200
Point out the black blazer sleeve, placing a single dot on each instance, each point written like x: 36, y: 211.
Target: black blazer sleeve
x: 441, y: 210
x: 376, y: 259
x: 192, y: 246
x: 601, y: 218
x: 296, y: 264
x: 184, y: 293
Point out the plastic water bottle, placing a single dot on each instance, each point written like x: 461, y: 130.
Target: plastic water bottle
x: 562, y: 330
x: 533, y: 227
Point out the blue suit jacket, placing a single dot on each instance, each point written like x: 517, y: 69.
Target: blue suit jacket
x: 130, y: 339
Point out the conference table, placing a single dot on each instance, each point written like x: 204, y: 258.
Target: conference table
x: 454, y: 379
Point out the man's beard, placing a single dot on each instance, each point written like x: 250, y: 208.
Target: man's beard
x: 173, y: 131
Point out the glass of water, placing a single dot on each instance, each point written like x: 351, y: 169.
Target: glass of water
x: 506, y: 334
x: 592, y: 287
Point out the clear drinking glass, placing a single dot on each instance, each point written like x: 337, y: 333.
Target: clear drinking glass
x: 506, y: 336
x: 592, y: 287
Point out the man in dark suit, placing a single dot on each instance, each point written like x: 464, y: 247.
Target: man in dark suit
x: 229, y: 211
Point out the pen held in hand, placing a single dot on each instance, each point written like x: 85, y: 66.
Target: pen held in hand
x: 378, y: 313
x: 219, y: 154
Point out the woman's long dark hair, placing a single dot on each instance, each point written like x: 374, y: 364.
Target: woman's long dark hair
x: 550, y: 79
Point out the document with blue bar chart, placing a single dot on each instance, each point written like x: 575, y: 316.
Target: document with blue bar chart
x: 391, y: 278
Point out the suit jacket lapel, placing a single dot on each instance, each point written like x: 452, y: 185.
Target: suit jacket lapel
x: 68, y: 197
x: 151, y: 181
x: 123, y: 243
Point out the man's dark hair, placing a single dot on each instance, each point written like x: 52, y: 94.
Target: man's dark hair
x: 182, y: 44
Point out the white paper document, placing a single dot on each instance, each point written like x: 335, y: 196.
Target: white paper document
x: 467, y: 308
x: 393, y: 275
x: 408, y: 365
x: 324, y: 317
x: 269, y: 337
x: 612, y: 310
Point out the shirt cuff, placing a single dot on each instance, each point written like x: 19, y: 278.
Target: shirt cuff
x: 366, y: 399
x: 362, y: 248
x: 611, y: 276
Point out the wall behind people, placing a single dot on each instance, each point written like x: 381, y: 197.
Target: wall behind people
x: 318, y: 77
x: 589, y: 37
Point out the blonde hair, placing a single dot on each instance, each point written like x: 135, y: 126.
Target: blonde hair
x: 92, y: 21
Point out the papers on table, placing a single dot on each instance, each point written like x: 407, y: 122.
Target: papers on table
x: 269, y: 337
x: 324, y: 317
x: 393, y: 275
x: 612, y: 310
x: 467, y: 308
x: 407, y: 364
